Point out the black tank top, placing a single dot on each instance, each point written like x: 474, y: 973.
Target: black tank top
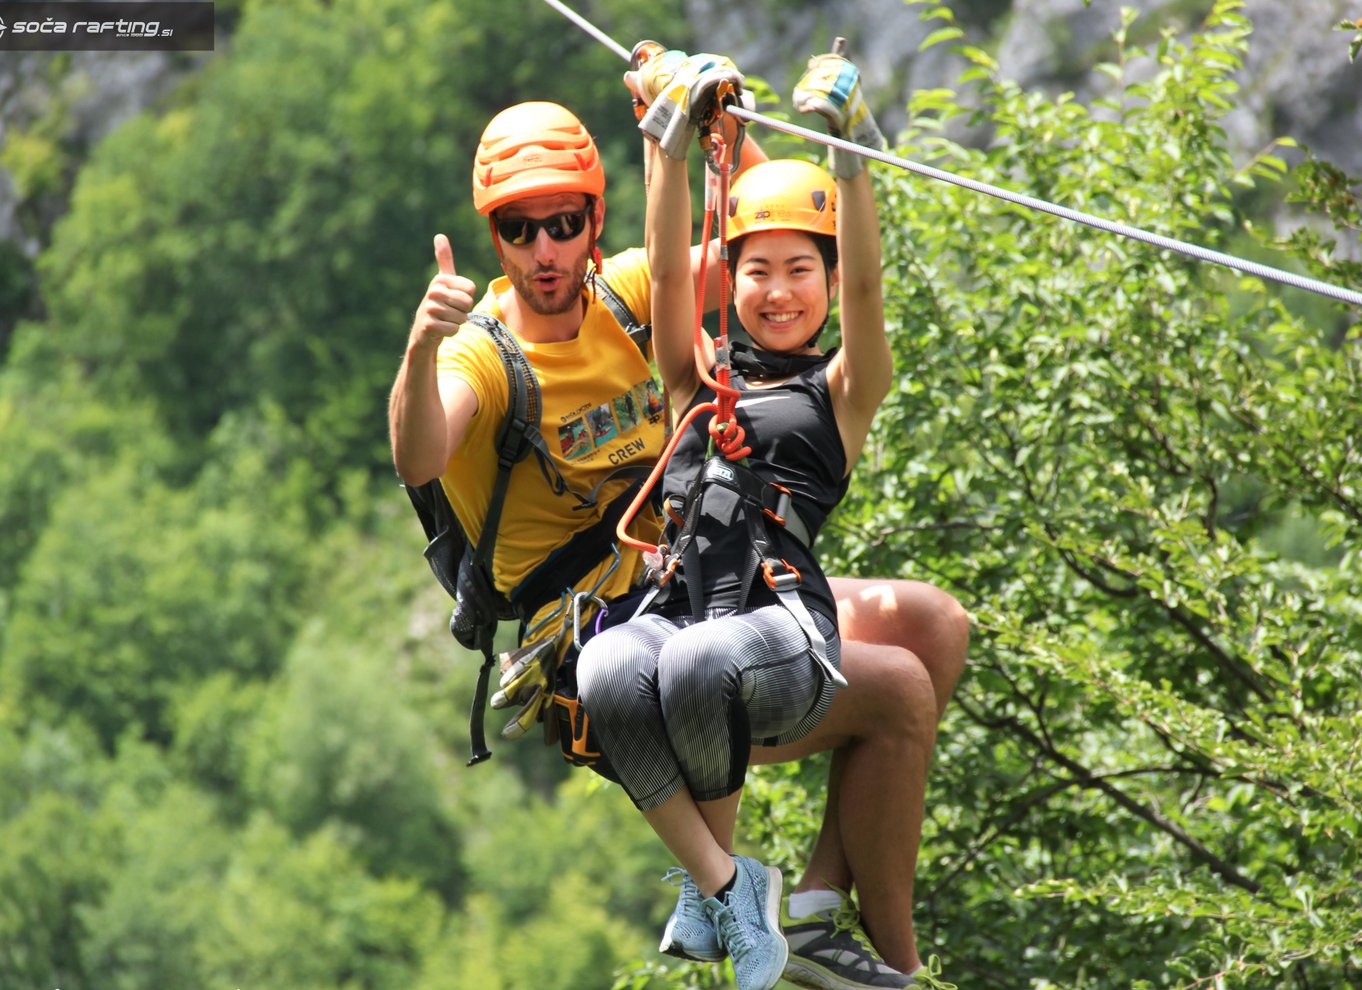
x: 794, y: 440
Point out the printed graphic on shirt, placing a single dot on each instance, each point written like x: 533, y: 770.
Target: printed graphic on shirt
x: 626, y: 411
x: 574, y: 439
x: 602, y: 424
x: 650, y: 399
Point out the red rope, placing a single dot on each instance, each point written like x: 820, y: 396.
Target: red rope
x: 724, y: 430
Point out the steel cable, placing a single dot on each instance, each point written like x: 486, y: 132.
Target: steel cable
x: 1110, y: 226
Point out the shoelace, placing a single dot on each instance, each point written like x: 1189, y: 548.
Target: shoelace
x: 847, y: 918
x: 731, y: 933
x: 690, y: 894
x: 928, y: 976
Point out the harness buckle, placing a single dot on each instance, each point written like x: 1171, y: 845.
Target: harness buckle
x: 782, y: 509
x: 664, y: 574
x: 784, y: 581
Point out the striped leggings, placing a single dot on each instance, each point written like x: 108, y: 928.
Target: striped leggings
x: 678, y: 703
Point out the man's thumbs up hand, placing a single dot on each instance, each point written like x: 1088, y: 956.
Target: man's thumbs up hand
x: 448, y: 300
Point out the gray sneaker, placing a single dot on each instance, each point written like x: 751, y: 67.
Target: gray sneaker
x: 748, y: 923
x: 831, y: 951
x: 689, y: 933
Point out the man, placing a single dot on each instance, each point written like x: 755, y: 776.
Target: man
x: 538, y: 179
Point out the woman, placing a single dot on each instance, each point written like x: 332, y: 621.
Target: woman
x: 740, y: 644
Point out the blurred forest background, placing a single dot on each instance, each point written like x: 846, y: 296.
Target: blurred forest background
x: 233, y: 725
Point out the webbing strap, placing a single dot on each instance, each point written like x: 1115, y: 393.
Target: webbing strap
x: 522, y: 415
x: 639, y: 333
x: 571, y: 562
x: 785, y: 585
x: 477, y: 736
x: 818, y: 646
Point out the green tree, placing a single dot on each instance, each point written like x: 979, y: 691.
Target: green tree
x: 119, y: 608
x: 54, y: 847
x: 1150, y: 767
x: 556, y: 889
x: 53, y: 428
x: 335, y: 744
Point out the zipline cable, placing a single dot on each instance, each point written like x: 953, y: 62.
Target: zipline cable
x: 1111, y: 226
x: 591, y: 29
x: 1019, y: 199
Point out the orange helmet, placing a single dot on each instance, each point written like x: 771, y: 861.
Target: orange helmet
x: 784, y: 194
x: 534, y: 149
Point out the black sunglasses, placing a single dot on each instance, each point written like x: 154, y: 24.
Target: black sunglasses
x: 520, y: 231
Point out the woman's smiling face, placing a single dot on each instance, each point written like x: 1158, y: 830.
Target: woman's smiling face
x: 781, y: 289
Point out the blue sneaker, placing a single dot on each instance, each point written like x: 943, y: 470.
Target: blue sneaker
x: 689, y: 933
x: 748, y: 923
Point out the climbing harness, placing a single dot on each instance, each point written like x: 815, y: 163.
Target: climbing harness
x: 763, y: 504
x: 1077, y: 216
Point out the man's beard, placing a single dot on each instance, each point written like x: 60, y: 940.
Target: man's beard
x: 570, y: 287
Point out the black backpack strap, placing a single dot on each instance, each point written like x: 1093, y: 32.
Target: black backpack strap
x: 519, y: 435
x: 515, y: 441
x: 466, y: 572
x: 639, y: 333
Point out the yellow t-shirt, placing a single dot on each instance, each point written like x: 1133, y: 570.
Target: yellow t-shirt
x: 601, y: 411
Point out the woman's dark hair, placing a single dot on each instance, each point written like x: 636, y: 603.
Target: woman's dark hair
x: 826, y: 244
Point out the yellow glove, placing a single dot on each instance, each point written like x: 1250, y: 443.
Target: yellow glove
x: 831, y: 86
x: 685, y: 95
x: 655, y: 69
x: 526, y: 679
x: 644, y: 52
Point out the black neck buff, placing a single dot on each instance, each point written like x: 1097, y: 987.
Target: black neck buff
x: 758, y: 365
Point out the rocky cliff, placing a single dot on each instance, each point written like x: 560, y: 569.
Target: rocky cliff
x: 1297, y: 80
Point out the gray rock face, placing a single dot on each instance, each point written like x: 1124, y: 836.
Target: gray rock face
x: 102, y: 90
x: 1297, y: 80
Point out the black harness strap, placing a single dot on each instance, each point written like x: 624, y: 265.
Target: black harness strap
x: 514, y: 444
x: 573, y: 560
x: 763, y: 504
